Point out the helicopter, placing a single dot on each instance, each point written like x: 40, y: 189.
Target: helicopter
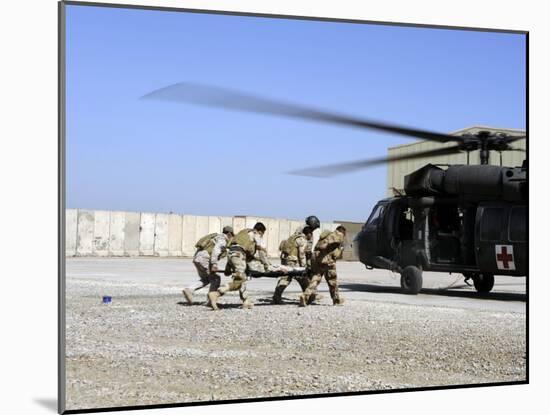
x: 467, y: 219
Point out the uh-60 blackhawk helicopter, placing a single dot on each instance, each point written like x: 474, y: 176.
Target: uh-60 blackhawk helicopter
x: 468, y: 219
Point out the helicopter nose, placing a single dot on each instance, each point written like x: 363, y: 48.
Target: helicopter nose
x: 361, y: 247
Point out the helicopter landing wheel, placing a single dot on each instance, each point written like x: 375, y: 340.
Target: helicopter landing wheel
x: 411, y: 280
x: 484, y: 283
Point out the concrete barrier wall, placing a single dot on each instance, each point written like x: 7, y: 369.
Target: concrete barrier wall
x: 160, y: 247
x: 239, y: 223
x: 85, y: 232
x: 175, y: 235
x: 147, y: 234
x: 71, y: 224
x: 189, y: 236
x: 102, y: 222
x: 115, y: 233
x: 131, y: 233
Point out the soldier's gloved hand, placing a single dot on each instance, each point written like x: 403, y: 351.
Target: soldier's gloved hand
x: 214, y: 268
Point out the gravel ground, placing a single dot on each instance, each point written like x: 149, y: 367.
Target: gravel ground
x: 148, y: 347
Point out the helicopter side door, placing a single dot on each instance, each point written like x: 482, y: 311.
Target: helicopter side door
x: 501, y: 239
x: 402, y: 243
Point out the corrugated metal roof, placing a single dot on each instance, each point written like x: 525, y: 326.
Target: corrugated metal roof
x: 472, y: 129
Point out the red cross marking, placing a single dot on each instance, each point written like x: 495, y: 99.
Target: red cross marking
x: 504, y: 257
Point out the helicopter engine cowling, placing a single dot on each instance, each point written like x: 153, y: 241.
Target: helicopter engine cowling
x: 479, y: 180
x: 470, y: 183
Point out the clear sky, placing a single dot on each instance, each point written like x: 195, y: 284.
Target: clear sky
x: 124, y: 153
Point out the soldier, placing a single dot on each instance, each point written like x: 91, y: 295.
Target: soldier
x: 294, y: 253
x: 240, y: 252
x: 328, y: 250
x: 210, y: 249
x: 259, y: 260
x: 314, y: 223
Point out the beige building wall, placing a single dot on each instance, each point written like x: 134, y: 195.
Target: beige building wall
x: 399, y: 169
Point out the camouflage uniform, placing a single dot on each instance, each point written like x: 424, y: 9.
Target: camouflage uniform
x: 328, y: 250
x: 259, y: 261
x: 298, y: 257
x: 242, y: 250
x: 204, y: 260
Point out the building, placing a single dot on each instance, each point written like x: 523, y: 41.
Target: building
x: 352, y: 229
x: 399, y: 169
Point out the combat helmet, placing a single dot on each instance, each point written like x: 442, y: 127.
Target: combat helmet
x: 228, y: 229
x: 313, y: 222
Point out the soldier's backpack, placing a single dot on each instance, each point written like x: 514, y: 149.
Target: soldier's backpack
x: 206, y: 242
x: 288, y: 246
x: 323, y: 235
x: 243, y: 240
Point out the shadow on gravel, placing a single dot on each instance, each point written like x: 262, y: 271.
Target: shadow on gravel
x: 186, y: 304
x: 286, y: 301
x: 229, y: 305
x: 448, y: 292
x: 258, y: 302
x: 269, y: 301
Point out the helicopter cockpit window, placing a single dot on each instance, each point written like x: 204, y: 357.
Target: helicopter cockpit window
x: 518, y: 224
x: 491, y: 224
x: 375, y: 216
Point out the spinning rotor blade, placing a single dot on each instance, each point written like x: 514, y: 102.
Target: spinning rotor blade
x: 512, y: 138
x: 212, y: 96
x: 335, y: 169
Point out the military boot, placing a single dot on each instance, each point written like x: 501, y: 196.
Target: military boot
x: 303, y: 300
x: 188, y: 294
x: 208, y: 303
x: 213, y: 299
x: 314, y: 298
x: 338, y: 301
x: 278, y: 295
x: 248, y: 304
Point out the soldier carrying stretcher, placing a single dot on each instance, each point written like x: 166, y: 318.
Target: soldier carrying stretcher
x: 247, y: 247
x: 210, y: 249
